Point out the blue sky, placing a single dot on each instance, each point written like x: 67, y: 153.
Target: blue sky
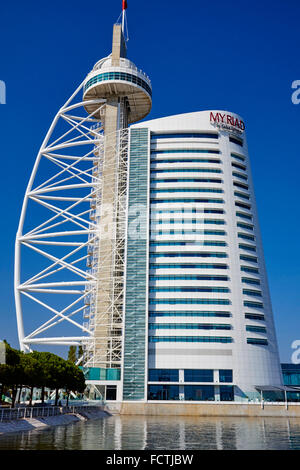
x: 236, y: 56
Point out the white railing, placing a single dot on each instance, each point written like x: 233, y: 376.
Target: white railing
x: 10, y: 414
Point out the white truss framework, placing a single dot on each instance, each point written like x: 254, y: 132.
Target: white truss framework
x: 57, y: 252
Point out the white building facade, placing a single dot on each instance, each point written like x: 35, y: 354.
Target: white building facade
x: 198, y: 322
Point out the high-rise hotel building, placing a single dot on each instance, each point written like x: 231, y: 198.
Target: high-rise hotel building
x: 198, y: 315
x: 175, y: 292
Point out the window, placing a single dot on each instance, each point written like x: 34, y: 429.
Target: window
x: 244, y: 216
x: 163, y: 375
x: 255, y: 293
x: 256, y: 329
x: 242, y: 195
x: 225, y: 375
x: 249, y: 269
x: 199, y: 392
x: 246, y: 236
x: 245, y: 226
x: 240, y: 175
x: 163, y: 392
x: 226, y: 393
x: 253, y: 304
x: 238, y: 165
x: 254, y: 316
x: 257, y: 341
x: 243, y: 205
x: 236, y: 140
x: 238, y: 157
x: 111, y: 392
x: 198, y: 375
x: 241, y: 185
x: 250, y: 280
x: 253, y: 259
x: 247, y: 247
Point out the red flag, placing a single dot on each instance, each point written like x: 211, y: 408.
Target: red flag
x: 124, y: 4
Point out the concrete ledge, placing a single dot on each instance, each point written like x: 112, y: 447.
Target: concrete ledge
x: 205, y: 409
x: 29, y: 424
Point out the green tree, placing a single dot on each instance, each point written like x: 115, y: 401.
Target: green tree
x: 72, y: 354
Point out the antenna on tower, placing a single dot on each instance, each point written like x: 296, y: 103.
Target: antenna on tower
x: 124, y: 20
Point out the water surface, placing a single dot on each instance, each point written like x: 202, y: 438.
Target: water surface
x: 162, y: 433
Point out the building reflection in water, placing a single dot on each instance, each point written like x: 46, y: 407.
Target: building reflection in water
x: 162, y: 433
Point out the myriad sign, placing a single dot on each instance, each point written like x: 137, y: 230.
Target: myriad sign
x: 227, y: 122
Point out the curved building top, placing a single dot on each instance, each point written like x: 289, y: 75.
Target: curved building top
x: 208, y: 119
x: 119, y: 77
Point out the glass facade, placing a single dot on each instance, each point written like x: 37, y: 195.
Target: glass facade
x: 199, y: 392
x: 198, y: 375
x: 163, y: 392
x: 119, y: 76
x: 163, y: 375
x: 136, y: 275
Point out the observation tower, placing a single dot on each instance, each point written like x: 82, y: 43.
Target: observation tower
x: 70, y: 244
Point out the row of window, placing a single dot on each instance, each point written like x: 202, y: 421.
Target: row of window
x: 188, y: 243
x: 187, y: 221
x: 186, y: 210
x: 185, y: 160
x: 188, y: 313
x: 185, y: 135
x: 189, y: 301
x: 203, y: 339
x: 186, y: 190
x: 186, y: 180
x: 190, y: 339
x: 183, y: 254
x: 184, y: 200
x: 118, y: 76
x: 185, y: 150
x: 187, y: 266
x: 190, y: 326
x: 187, y: 277
x: 186, y: 170
x: 188, y: 289
x: 188, y: 232
x: 191, y: 393
x: 194, y: 313
x: 190, y: 375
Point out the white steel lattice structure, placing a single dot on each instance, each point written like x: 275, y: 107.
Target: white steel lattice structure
x: 70, y: 244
